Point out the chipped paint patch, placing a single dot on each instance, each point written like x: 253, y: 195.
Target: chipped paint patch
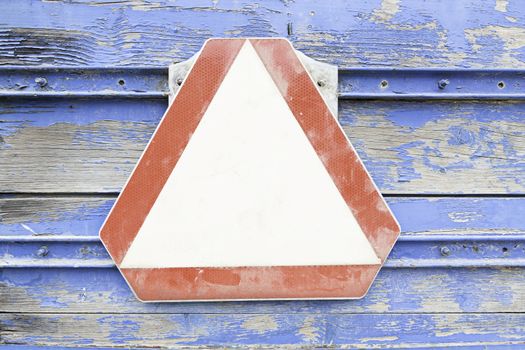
x: 308, y: 331
x: 501, y: 5
x: 129, y: 39
x: 380, y: 339
x: 388, y: 9
x: 442, y: 298
x: 449, y: 325
x: 461, y: 145
x: 184, y: 27
x: 261, y: 324
x: 143, y: 5
x: 512, y: 38
x: 508, y: 293
x: 464, y: 216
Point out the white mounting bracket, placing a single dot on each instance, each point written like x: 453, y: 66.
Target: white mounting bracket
x: 323, y: 74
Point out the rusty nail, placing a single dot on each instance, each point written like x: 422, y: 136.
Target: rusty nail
x: 42, y: 251
x: 444, y: 251
x: 41, y: 81
x: 443, y: 83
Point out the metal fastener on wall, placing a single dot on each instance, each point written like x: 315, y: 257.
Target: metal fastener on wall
x: 443, y: 83
x: 445, y: 251
x: 42, y: 251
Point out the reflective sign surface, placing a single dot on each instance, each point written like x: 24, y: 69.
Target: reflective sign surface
x: 249, y: 189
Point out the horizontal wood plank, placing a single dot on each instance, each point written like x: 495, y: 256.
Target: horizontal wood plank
x: 437, y: 290
x: 92, y: 145
x: 430, y: 252
x: 30, y: 222
x: 53, y: 217
x: 364, y: 330
x: 357, y: 83
x: 371, y: 33
x: 62, y: 231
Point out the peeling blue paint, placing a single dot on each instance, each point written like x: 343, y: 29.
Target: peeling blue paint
x: 84, y: 217
x: 460, y: 136
x: 475, y: 308
x: 407, y: 171
x: 83, y: 220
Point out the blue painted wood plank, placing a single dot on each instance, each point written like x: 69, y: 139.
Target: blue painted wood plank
x: 455, y: 232
x: 409, y: 147
x: 49, y: 81
x: 38, y: 217
x: 355, y: 83
x: 429, y: 253
x: 438, y: 141
x: 437, y: 290
x: 333, y: 330
x: 372, y: 32
x: 429, y: 84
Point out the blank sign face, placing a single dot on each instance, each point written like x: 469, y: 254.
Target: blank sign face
x: 249, y: 189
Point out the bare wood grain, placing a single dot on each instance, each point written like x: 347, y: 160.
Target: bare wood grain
x: 408, y: 147
x: 365, y: 330
x: 29, y: 222
x: 371, y: 33
x: 61, y: 216
x: 395, y: 291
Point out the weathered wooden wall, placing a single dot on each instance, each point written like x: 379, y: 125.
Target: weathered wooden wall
x: 452, y: 167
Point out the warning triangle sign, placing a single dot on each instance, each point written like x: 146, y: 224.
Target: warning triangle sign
x: 249, y: 189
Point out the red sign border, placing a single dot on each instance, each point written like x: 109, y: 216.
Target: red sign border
x: 248, y: 282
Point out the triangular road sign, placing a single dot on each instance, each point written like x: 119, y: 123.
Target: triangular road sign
x: 249, y: 189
